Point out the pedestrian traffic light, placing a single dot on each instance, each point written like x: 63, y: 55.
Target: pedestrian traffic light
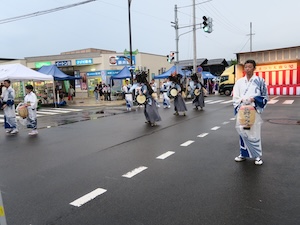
x: 207, y: 24
x: 170, y: 57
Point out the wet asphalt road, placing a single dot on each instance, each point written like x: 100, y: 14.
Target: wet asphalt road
x: 198, y: 183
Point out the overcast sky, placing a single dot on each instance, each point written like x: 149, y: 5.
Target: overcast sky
x: 103, y: 24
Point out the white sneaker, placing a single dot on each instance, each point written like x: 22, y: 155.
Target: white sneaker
x: 258, y: 161
x: 33, y: 132
x: 8, y: 131
x: 239, y: 158
x: 14, y: 131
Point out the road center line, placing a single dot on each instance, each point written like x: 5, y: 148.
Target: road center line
x: 215, y: 128
x: 165, y: 155
x: 134, y: 172
x: 88, y: 197
x: 187, y: 143
x: 202, y: 135
x: 226, y: 122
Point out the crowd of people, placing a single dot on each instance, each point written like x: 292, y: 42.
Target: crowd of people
x: 102, y: 92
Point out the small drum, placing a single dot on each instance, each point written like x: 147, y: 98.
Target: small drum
x: 141, y: 99
x: 197, y: 92
x: 23, y: 111
x: 246, y: 116
x: 154, y: 95
x: 173, y: 92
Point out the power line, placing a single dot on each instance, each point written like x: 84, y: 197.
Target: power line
x: 43, y: 12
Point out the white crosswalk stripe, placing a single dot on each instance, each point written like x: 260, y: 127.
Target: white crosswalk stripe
x: 48, y: 112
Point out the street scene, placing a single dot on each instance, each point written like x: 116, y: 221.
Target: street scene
x: 118, y: 170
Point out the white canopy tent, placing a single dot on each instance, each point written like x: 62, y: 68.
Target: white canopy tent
x: 17, y: 72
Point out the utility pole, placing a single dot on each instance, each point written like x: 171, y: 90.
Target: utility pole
x: 194, y: 38
x: 130, y: 42
x: 177, y: 40
x: 251, y: 34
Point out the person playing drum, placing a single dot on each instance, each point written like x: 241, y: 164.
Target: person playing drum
x: 150, y: 111
x: 31, y: 102
x: 198, y: 100
x: 249, y: 99
x: 179, y: 103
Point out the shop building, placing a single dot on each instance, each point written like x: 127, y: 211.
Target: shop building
x: 98, y: 65
x: 279, y: 67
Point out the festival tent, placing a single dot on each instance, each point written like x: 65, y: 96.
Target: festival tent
x: 56, y: 73
x: 123, y: 74
x: 18, y: 72
x: 207, y: 75
x: 170, y: 71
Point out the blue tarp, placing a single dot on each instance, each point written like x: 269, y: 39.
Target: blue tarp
x: 56, y: 73
x: 207, y: 75
x: 170, y: 71
x: 123, y: 74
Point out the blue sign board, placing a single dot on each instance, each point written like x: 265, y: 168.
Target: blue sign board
x: 84, y: 61
x: 102, y: 72
x: 124, y: 60
x: 63, y: 63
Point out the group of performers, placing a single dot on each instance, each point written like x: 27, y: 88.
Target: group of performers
x: 172, y: 88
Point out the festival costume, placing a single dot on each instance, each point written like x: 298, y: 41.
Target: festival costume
x: 10, y: 122
x: 250, y: 135
x: 166, y: 100
x: 179, y: 103
x: 32, y: 118
x: 128, y: 96
x: 199, y: 99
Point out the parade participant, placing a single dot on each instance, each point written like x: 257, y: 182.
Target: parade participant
x: 250, y: 98
x: 128, y: 95
x: 198, y: 92
x: 31, y: 101
x: 179, y: 103
x: 154, y: 94
x: 10, y: 122
x: 150, y: 111
x: 164, y: 89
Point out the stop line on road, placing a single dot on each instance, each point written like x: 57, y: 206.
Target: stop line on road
x: 48, y: 112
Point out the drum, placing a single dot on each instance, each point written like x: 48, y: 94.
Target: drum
x: 246, y: 116
x: 197, y: 92
x: 173, y: 92
x: 141, y: 99
x: 23, y: 111
x: 154, y: 95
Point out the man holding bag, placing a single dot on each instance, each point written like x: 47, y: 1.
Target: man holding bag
x: 31, y: 102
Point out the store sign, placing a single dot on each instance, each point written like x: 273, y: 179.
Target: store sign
x: 122, y: 60
x: 40, y: 64
x: 276, y: 67
x: 84, y: 61
x: 112, y: 72
x: 94, y: 73
x: 63, y: 63
x: 102, y: 73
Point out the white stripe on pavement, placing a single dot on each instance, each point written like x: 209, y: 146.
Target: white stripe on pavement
x: 47, y: 113
x: 226, y: 122
x: 215, y: 128
x: 272, y: 101
x: 67, y: 109
x: 230, y: 101
x: 187, y: 143
x: 233, y: 118
x: 202, y: 135
x: 88, y: 197
x: 135, y: 172
x: 49, y: 110
x: 288, y: 102
x: 217, y: 101
x: 165, y: 155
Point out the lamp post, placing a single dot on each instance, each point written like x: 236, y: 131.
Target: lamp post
x: 130, y: 43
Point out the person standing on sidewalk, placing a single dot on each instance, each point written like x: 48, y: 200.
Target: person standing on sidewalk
x: 96, y: 90
x: 31, y: 101
x: 128, y: 95
x: 249, y: 99
x: 10, y: 122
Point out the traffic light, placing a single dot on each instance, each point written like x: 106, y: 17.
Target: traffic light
x: 170, y: 57
x: 207, y: 24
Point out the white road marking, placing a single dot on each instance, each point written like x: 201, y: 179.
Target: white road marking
x: 217, y: 101
x: 49, y: 110
x: 187, y: 143
x: 272, y: 101
x: 135, y: 172
x: 206, y: 101
x: 288, y: 102
x: 215, y: 128
x: 202, y: 135
x: 47, y: 113
x: 230, y: 101
x: 67, y: 109
x: 233, y: 118
x: 226, y: 122
x: 165, y: 155
x: 88, y: 197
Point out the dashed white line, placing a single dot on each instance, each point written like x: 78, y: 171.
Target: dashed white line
x: 165, y: 155
x: 187, y: 143
x: 226, y: 122
x: 88, y: 197
x: 230, y: 101
x: 215, y: 128
x: 232, y: 118
x: 135, y: 172
x: 288, y: 102
x: 272, y: 101
x: 202, y: 135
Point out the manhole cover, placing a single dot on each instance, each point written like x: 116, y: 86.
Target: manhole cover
x: 285, y: 121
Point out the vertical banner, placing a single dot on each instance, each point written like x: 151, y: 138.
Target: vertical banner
x: 2, y: 213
